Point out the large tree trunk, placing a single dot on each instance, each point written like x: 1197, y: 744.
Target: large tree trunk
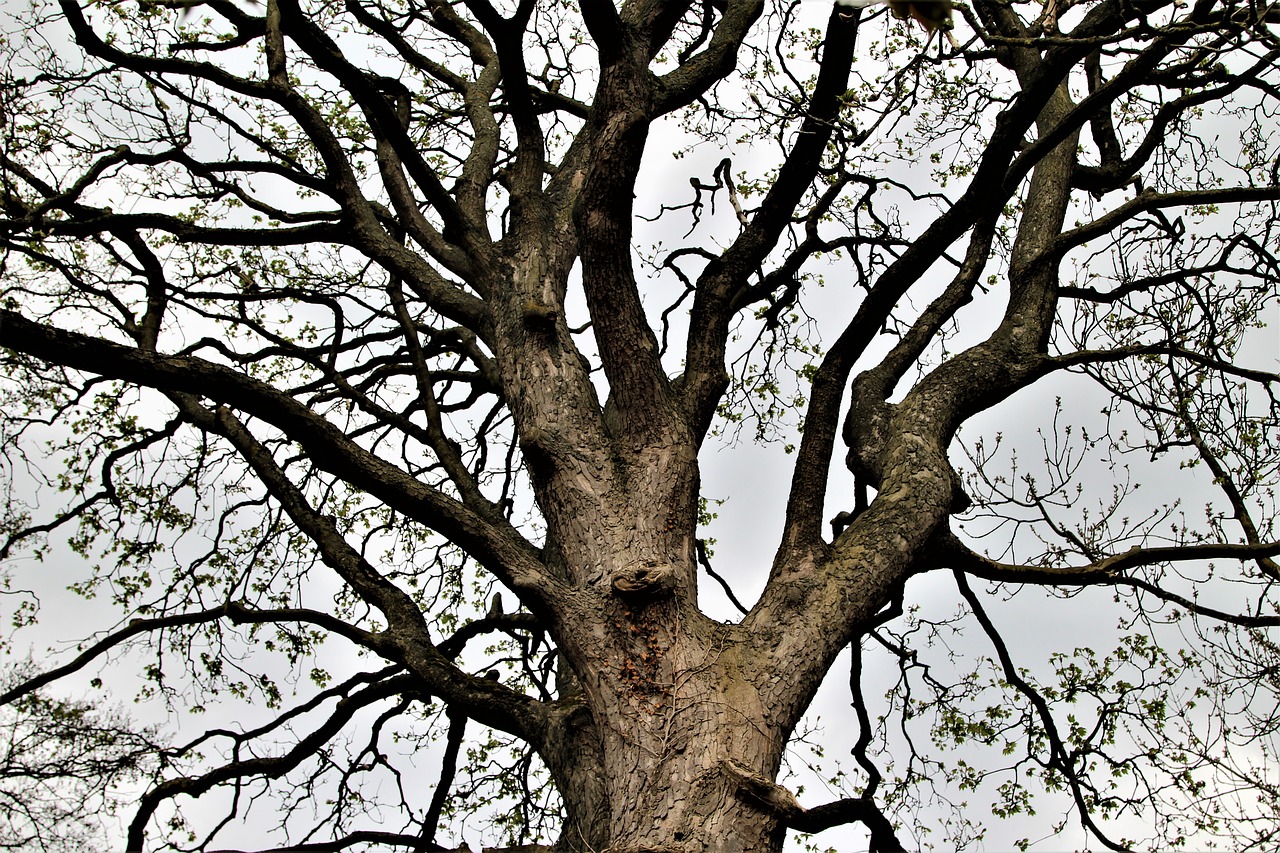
x: 685, y: 760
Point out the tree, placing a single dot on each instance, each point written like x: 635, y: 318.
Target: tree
x: 365, y: 354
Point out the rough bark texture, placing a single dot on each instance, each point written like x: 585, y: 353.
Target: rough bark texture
x: 491, y: 200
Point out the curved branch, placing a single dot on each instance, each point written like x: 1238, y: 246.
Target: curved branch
x: 705, y: 376
x: 705, y: 562
x: 415, y: 843
x: 266, y: 767
x: 488, y: 537
x: 782, y: 804
x: 1084, y: 357
x: 361, y: 225
x: 694, y: 77
x: 136, y: 627
x: 1059, y: 758
x: 377, y: 108
x: 1114, y: 172
x: 1150, y: 200
x: 407, y: 638
x: 1107, y: 571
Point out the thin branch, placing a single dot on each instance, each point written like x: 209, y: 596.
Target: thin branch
x: 1105, y: 570
x: 705, y: 562
x: 490, y: 538
x: 1059, y: 758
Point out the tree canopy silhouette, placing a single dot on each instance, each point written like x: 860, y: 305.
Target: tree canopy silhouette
x: 362, y: 358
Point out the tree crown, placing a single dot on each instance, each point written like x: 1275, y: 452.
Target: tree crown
x: 367, y: 357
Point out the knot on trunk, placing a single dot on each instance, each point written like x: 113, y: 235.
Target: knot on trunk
x: 644, y: 579
x: 777, y: 801
x: 769, y: 796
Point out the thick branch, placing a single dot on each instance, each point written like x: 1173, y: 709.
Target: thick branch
x: 716, y: 299
x: 784, y: 806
